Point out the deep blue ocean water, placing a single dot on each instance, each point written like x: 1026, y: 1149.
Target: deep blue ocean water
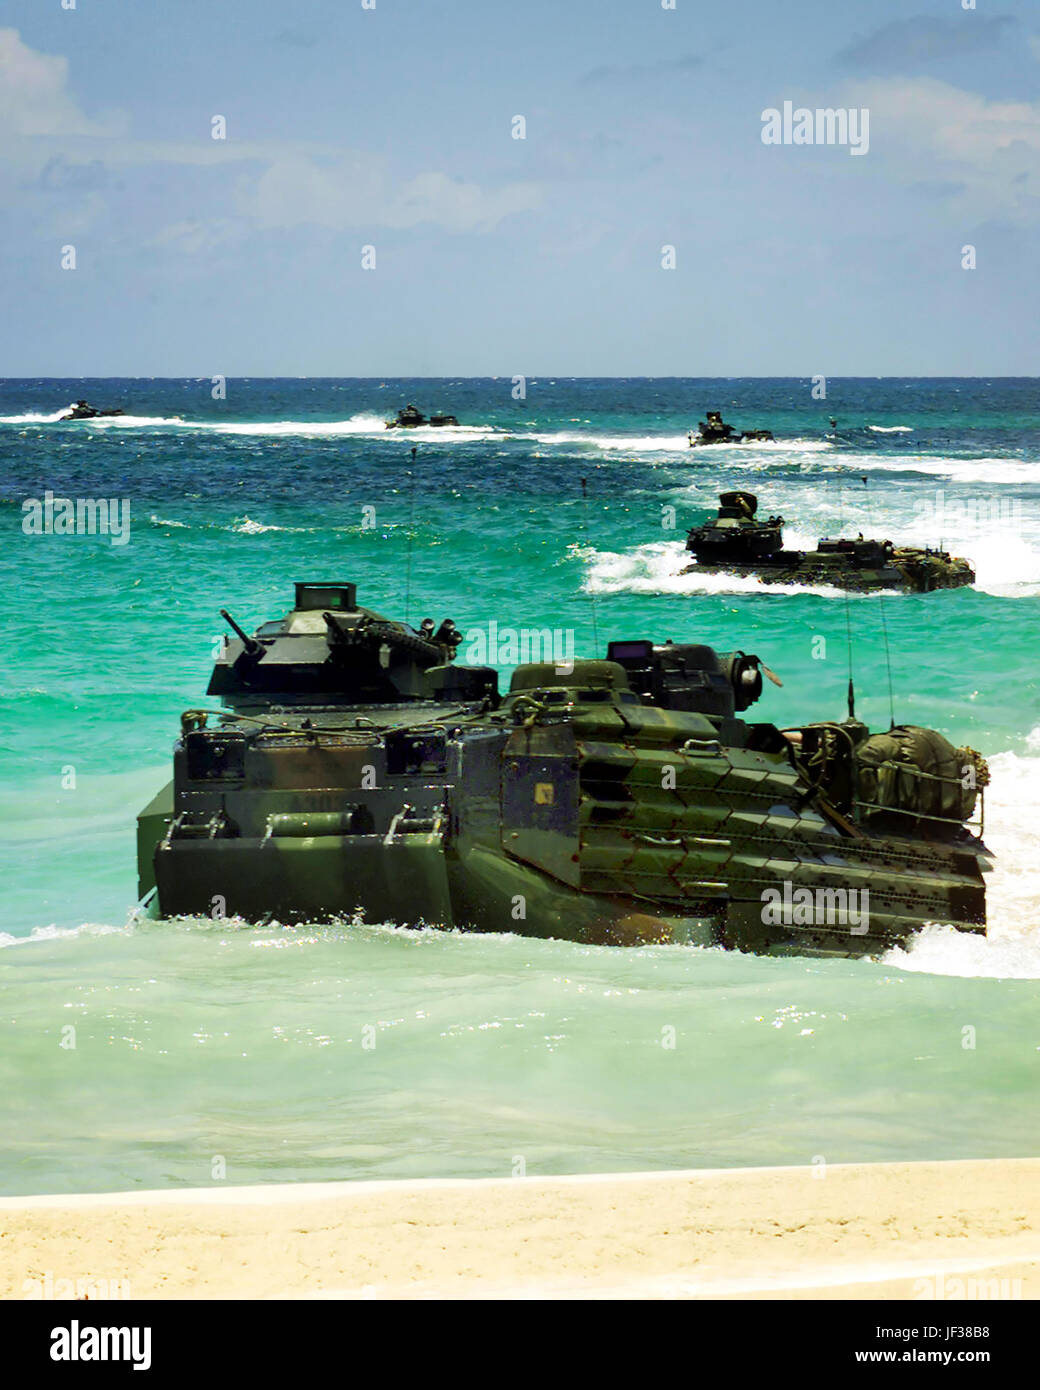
x: 196, y: 1040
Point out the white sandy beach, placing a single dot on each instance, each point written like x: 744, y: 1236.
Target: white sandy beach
x: 900, y: 1230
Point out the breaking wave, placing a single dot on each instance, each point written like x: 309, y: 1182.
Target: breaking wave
x: 984, y: 470
x: 33, y: 418
x: 1006, y: 567
x: 54, y: 933
x: 106, y: 421
x: 364, y: 424
x: 1011, y: 947
x: 367, y: 423
x: 783, y: 446
x: 655, y: 568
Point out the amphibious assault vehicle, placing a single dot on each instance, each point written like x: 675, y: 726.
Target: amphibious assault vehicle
x: 82, y: 410
x: 714, y: 430
x: 355, y: 768
x: 736, y: 542
x: 411, y: 417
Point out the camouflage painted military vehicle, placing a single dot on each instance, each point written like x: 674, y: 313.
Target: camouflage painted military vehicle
x: 355, y: 766
x: 714, y: 430
x: 82, y: 410
x: 411, y: 417
x: 735, y: 542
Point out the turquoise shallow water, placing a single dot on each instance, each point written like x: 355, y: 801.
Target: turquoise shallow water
x: 333, y: 1052
x: 194, y: 1041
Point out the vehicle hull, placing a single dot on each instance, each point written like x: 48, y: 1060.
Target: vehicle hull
x: 556, y: 832
x: 811, y: 570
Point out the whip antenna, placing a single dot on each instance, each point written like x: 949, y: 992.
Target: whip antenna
x: 585, y: 530
x: 411, y: 535
x: 848, y: 635
x: 848, y: 618
x: 888, y: 665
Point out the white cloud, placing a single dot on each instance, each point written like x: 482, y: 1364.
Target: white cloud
x: 34, y: 99
x: 461, y: 207
x: 931, y: 130
x: 356, y: 191
x: 292, y: 186
x: 192, y: 236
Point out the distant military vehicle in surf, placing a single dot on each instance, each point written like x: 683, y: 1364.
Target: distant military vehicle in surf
x: 81, y: 410
x: 736, y: 542
x: 714, y: 430
x: 411, y: 417
x: 355, y: 769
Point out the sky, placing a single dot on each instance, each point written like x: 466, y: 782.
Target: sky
x: 392, y: 127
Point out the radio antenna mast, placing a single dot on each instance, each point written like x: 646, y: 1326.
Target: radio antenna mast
x: 848, y: 620
x: 585, y: 531
x: 888, y: 665
x: 411, y: 535
x: 848, y: 636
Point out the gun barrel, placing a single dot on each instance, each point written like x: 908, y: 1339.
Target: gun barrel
x: 252, y: 646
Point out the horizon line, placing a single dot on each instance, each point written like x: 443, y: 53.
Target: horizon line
x: 529, y: 377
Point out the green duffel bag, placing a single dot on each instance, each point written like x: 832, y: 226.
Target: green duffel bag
x: 916, y: 770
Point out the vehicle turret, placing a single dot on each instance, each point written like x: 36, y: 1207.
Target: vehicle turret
x: 330, y: 651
